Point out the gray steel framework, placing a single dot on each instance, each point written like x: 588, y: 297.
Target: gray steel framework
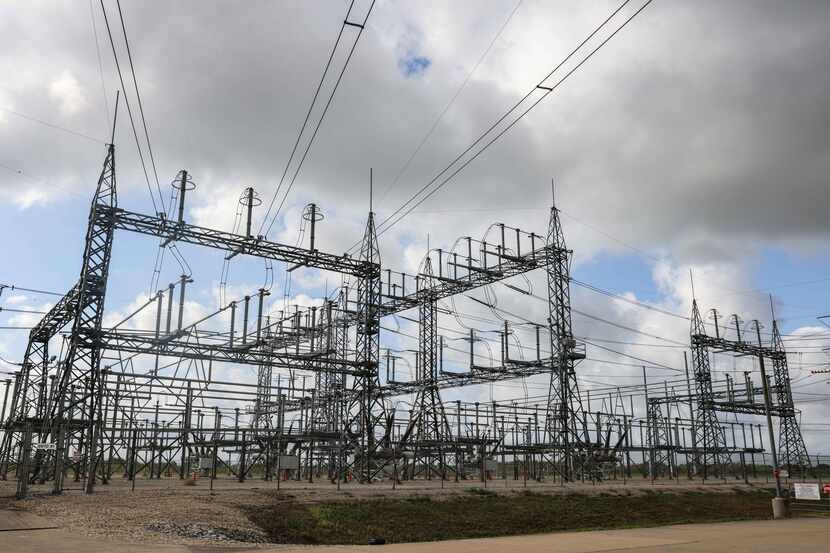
x: 96, y: 409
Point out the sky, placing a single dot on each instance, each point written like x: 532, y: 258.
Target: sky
x: 695, y: 139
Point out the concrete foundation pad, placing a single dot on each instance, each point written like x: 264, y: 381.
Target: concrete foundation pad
x: 780, y: 508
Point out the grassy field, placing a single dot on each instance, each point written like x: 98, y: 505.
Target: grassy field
x: 482, y: 513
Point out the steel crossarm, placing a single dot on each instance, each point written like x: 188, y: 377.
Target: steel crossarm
x: 444, y: 287
x: 479, y: 375
x: 741, y: 347
x: 250, y: 354
x: 236, y: 243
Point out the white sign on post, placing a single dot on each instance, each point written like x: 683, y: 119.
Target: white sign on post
x: 44, y: 445
x: 807, y: 491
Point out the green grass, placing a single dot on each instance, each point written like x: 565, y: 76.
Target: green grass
x: 484, y: 515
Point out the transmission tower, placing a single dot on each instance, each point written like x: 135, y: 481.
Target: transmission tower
x: 367, y: 409
x: 565, y: 416
x: 428, y: 428
x: 710, y: 451
x: 791, y: 449
x: 74, y: 422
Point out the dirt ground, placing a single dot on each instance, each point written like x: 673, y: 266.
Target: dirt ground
x: 169, y: 512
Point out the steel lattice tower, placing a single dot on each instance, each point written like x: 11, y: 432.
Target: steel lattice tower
x: 30, y: 394
x: 74, y: 415
x: 709, y: 439
x: 367, y: 409
x: 329, y: 404
x: 565, y: 414
x: 791, y: 449
x: 659, y: 441
x: 428, y: 425
x: 264, y: 398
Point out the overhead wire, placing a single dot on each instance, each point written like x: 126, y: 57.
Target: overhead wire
x: 100, y: 63
x: 52, y: 125
x: 449, y: 104
x: 14, y: 287
x: 138, y: 97
x: 328, y: 103
x: 414, y: 201
x: 174, y: 250
x: 307, y: 116
x: 129, y: 110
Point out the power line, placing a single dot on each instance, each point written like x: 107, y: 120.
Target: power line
x: 426, y: 137
x: 100, y: 62
x: 130, y: 111
x: 14, y: 310
x: 613, y: 295
x: 52, y: 125
x: 596, y: 318
x: 6, y: 361
x: 616, y: 352
x: 140, y: 105
x: 611, y: 237
x: 654, y: 363
x: 408, y: 206
x: 14, y: 287
x: 18, y: 172
x: 177, y: 255
x: 346, y: 22
x: 307, y: 116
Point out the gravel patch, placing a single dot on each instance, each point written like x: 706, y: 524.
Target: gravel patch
x: 206, y: 532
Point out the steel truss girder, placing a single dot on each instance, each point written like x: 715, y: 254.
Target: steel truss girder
x: 235, y: 243
x: 739, y: 407
x: 444, y: 287
x: 478, y: 375
x: 247, y: 355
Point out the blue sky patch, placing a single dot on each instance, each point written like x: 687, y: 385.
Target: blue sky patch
x: 413, y: 66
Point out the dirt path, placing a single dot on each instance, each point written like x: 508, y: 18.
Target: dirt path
x: 792, y: 536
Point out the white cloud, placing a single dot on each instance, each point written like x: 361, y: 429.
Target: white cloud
x: 16, y: 299
x: 29, y: 198
x: 67, y: 92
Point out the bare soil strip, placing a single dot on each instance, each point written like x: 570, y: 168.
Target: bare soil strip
x: 256, y: 516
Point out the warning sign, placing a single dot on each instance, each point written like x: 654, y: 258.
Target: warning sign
x: 807, y: 491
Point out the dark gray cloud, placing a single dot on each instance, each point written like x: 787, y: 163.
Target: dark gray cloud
x: 699, y: 123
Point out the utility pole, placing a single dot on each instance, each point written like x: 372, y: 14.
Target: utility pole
x: 779, y: 504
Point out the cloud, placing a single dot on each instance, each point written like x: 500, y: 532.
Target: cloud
x: 30, y: 197
x: 67, y: 92
x: 682, y: 132
x: 16, y: 299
